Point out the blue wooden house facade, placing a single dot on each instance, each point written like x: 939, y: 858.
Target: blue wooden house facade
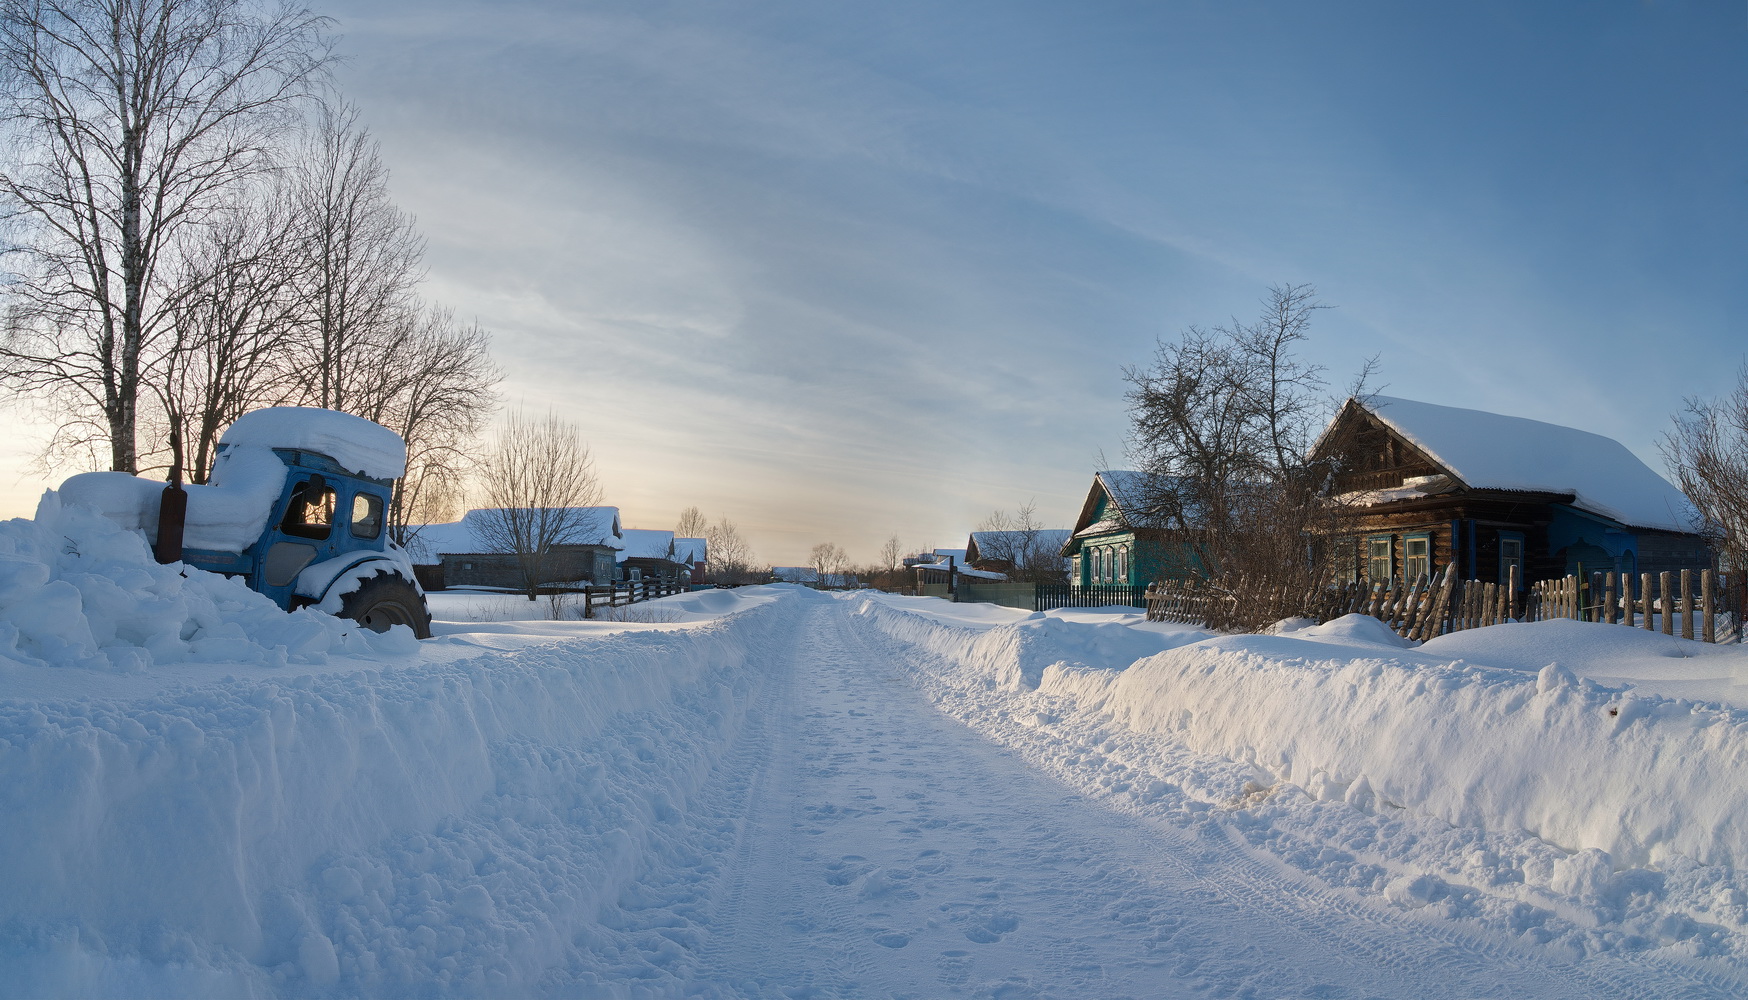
x: 1115, y: 541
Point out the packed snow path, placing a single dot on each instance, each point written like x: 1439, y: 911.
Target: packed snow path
x: 881, y: 848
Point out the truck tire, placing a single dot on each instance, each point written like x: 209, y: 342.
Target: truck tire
x: 386, y: 600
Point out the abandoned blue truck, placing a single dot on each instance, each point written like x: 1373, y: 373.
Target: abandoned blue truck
x: 296, y: 506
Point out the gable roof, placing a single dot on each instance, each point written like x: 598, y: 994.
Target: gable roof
x: 1491, y: 451
x: 1127, y: 490
x: 431, y: 542
x: 691, y: 551
x: 647, y: 543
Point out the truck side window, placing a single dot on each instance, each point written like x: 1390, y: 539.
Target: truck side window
x: 366, y: 516
x: 310, y: 514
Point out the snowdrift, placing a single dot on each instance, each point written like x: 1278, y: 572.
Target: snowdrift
x: 78, y: 590
x: 207, y: 796
x: 1345, y: 712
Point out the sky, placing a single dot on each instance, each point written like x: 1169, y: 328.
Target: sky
x: 844, y: 271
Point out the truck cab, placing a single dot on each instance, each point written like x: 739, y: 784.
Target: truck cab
x: 308, y: 527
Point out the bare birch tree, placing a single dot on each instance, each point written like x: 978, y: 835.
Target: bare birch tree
x: 231, y: 326
x: 129, y: 121
x: 362, y: 258
x: 537, y: 481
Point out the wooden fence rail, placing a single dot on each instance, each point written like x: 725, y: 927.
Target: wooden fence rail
x: 618, y: 595
x: 1702, y: 605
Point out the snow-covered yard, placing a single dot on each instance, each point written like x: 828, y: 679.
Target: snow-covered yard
x: 774, y: 792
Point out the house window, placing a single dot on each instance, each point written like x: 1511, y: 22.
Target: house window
x: 1098, y: 565
x: 1510, y: 556
x: 1416, y: 557
x: 1346, y: 558
x: 1380, y: 563
x: 467, y: 565
x: 1123, y: 564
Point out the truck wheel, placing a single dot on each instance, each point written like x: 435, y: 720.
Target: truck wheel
x: 386, y: 600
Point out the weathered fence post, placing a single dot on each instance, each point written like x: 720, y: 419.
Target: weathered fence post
x: 1663, y: 600
x: 1687, y: 604
x: 1708, y: 605
x: 1645, y: 596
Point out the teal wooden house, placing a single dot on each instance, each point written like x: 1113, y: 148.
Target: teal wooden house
x: 1116, y: 543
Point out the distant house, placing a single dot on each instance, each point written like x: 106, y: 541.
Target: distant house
x: 694, y: 554
x: 946, y: 567
x: 1424, y: 486
x: 462, y: 554
x: 650, y: 554
x: 1035, y: 555
x: 1116, y: 541
x: 809, y: 577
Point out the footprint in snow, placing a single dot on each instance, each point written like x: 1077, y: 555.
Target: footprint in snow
x: 990, y: 928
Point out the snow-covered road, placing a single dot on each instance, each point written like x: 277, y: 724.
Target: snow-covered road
x: 881, y: 848
x: 771, y: 792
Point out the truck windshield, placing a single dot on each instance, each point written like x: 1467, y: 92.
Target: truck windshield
x: 310, y: 514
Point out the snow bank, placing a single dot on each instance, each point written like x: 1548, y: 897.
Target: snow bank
x: 1646, y: 779
x: 452, y: 825
x: 77, y: 590
x: 1015, y: 655
x: 226, y: 515
x: 360, y: 446
x: 1534, y: 806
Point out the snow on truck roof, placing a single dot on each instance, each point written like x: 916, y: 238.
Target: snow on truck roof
x: 1496, y: 452
x: 360, y: 446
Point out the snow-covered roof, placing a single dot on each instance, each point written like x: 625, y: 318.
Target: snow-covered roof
x: 691, y: 551
x: 360, y: 446
x: 647, y: 543
x: 431, y: 542
x: 1000, y: 544
x: 1496, y: 452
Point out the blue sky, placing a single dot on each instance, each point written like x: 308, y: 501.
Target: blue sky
x: 847, y: 270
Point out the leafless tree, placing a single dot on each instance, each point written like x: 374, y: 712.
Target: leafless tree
x: 1019, y: 539
x: 1707, y: 453
x: 130, y: 122
x: 1221, y: 422
x: 430, y: 379
x: 828, y: 561
x: 230, y: 326
x: 537, y: 483
x: 692, y: 524
x: 891, y: 552
x: 362, y: 258
x: 730, y: 557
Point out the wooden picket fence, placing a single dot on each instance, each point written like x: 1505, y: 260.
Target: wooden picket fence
x: 1693, y: 604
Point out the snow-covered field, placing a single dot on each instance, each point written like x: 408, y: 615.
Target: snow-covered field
x: 774, y: 792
